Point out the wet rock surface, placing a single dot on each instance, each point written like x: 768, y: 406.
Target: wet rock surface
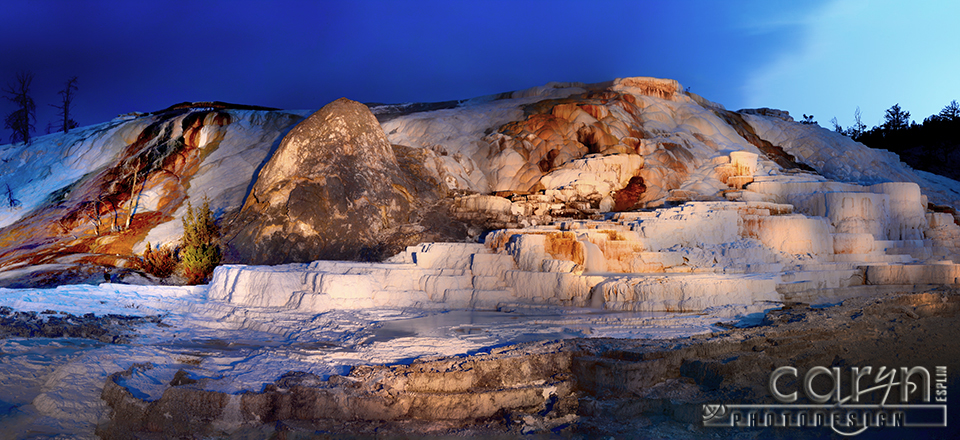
x: 115, y: 329
x: 579, y: 388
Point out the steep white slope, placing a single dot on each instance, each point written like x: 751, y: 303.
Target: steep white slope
x: 33, y: 171
x: 51, y: 166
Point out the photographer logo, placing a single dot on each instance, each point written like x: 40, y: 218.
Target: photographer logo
x: 848, y: 402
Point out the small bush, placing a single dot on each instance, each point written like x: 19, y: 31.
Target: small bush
x: 159, y: 262
x: 200, y: 245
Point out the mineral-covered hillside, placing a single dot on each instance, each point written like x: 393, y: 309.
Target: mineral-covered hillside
x: 340, y: 186
x: 530, y: 262
x: 83, y: 203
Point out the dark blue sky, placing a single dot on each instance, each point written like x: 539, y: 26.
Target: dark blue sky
x: 144, y: 56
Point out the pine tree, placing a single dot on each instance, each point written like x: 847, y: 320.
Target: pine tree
x: 951, y: 111
x: 896, y: 119
x: 200, y: 245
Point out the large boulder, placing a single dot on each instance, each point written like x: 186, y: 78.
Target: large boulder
x: 334, y: 189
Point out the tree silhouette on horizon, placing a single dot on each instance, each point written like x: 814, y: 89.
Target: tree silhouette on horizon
x: 932, y: 145
x: 896, y: 118
x: 22, y: 119
x: 66, y: 96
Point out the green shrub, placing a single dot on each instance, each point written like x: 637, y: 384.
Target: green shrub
x: 159, y: 261
x: 200, y: 245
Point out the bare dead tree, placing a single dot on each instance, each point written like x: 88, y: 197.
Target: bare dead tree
x: 97, y: 205
x: 66, y: 96
x: 11, y: 201
x: 858, y: 127
x: 134, y: 195
x: 22, y: 119
x: 92, y: 212
x: 113, y: 206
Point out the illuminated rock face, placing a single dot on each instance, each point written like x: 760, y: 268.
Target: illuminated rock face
x: 333, y: 189
x: 538, y: 141
x: 523, y: 152
x: 532, y: 140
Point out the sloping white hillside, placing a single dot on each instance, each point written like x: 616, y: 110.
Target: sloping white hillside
x: 31, y: 172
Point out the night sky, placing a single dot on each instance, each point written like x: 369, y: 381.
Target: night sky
x: 816, y: 57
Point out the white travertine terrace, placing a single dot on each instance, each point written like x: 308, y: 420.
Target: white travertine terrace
x: 799, y: 235
x: 731, y: 226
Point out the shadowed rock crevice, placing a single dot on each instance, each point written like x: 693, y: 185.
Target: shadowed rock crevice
x: 773, y: 152
x: 627, y: 198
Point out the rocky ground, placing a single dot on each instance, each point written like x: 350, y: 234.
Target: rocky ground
x: 112, y: 328
x: 656, y: 389
x: 579, y: 388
